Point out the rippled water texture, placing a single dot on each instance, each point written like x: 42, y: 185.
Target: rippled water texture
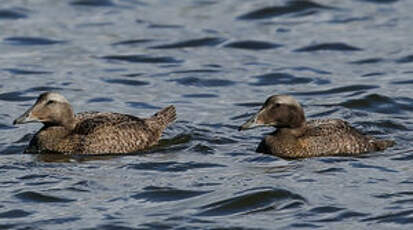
x: 216, y: 61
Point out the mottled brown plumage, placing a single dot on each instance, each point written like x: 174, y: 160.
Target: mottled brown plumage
x: 297, y: 138
x: 91, y: 132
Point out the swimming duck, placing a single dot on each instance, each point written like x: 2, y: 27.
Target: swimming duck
x: 297, y: 138
x: 90, y: 132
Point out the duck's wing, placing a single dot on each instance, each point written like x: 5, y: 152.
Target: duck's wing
x: 329, y: 127
x: 104, y: 133
x: 90, y: 122
x: 336, y: 137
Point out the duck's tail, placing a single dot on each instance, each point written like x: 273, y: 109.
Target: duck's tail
x: 383, y: 144
x: 166, y: 116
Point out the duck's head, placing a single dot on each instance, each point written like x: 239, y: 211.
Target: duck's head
x: 280, y: 111
x: 49, y: 109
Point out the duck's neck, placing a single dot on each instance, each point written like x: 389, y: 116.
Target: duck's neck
x: 295, y: 131
x: 69, y: 123
x: 66, y: 125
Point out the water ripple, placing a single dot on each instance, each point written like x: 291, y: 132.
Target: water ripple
x: 380, y: 1
x: 166, y: 194
x: 406, y: 59
x: 141, y: 105
x: 337, y: 46
x: 132, y: 42
x: 25, y: 72
x: 403, y: 82
x: 15, y: 96
x: 252, y: 45
x: 367, y: 61
x: 292, y: 7
x: 279, y: 78
x: 164, y: 26
x: 192, y: 43
x: 342, y: 89
x: 11, y: 14
x: 15, y: 213
x: 171, y: 166
x: 126, y: 82
x: 367, y: 166
x: 211, y: 82
x: 31, y: 41
x: 252, y: 202
x: 200, y: 95
x: 142, y: 59
x: 94, y: 3
x: 37, y: 197
x: 377, y: 103
x: 398, y: 217
x: 100, y: 99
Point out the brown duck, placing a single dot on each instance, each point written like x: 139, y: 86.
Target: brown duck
x: 90, y: 132
x: 297, y: 138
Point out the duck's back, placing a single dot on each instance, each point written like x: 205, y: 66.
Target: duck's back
x: 114, y: 133
x: 326, y: 138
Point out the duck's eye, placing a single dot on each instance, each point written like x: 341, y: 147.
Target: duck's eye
x: 277, y: 105
x: 50, y: 102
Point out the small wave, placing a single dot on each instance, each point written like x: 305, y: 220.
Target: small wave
x: 349, y: 20
x: 200, y: 95
x: 380, y: 1
x: 25, y: 72
x: 367, y: 61
x: 374, y: 74
x: 11, y: 14
x: 197, y: 71
x: 362, y: 165
x: 132, y: 42
x: 165, y: 194
x: 31, y: 41
x: 142, y: 59
x: 341, y: 216
x: 41, y: 198
x: 171, y: 166
x: 252, y: 202
x: 211, y: 82
x: 252, y: 45
x: 292, y: 7
x: 95, y: 3
x: 164, y: 26
x: 126, y: 82
x: 397, y: 217
x: 337, y: 46
x: 406, y: 59
x: 307, y: 69
x: 279, y: 78
x: 15, y: 213
x: 377, y: 103
x: 338, y: 90
x: 331, y: 171
x: 141, y: 105
x: 100, y: 99
x: 192, y: 43
x: 15, y: 96
x: 403, y: 82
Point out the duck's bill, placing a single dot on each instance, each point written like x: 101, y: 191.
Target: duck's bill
x: 250, y: 124
x: 25, y: 118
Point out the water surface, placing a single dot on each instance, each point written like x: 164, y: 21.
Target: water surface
x: 216, y: 61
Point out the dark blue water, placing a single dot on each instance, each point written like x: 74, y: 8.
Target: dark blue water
x: 216, y: 61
